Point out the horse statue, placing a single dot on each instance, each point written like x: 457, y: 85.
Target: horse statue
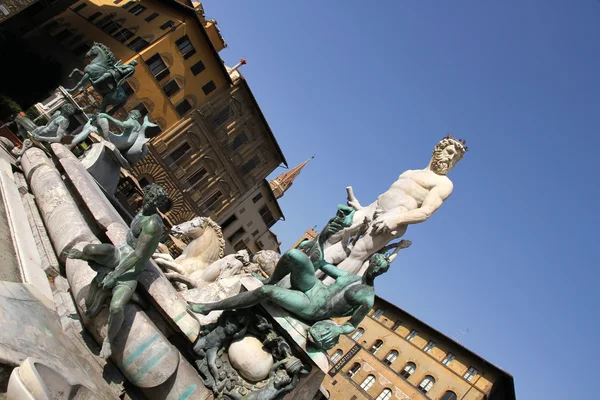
x: 106, y: 76
x: 206, y: 247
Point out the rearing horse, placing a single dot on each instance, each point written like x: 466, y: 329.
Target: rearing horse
x: 105, y: 76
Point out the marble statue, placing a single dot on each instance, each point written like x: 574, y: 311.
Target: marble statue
x: 230, y: 265
x: 308, y: 298
x: 53, y: 131
x: 132, y: 141
x: 119, y: 268
x: 412, y: 199
x: 206, y: 247
x: 106, y: 76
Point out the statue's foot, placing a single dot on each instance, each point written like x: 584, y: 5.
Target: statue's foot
x: 198, y: 308
x: 74, y: 253
x: 106, y: 350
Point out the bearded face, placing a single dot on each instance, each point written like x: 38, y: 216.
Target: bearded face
x: 445, y: 158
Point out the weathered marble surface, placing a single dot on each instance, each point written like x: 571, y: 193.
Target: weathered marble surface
x: 249, y: 358
x: 31, y: 329
x: 25, y: 248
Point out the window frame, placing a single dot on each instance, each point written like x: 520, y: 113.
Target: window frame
x: 368, y: 382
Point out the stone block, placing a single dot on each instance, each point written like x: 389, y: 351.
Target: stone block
x: 61, y: 151
x: 96, y: 202
x: 30, y: 329
x: 25, y: 248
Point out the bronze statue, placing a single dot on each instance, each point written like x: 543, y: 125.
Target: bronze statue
x: 121, y: 266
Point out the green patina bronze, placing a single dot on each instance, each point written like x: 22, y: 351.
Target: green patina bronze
x: 53, y: 131
x: 106, y: 76
x: 308, y: 298
x: 119, y: 268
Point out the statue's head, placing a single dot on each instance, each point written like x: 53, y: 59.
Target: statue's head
x: 67, y: 110
x: 281, y: 379
x: 133, y: 62
x: 267, y: 260
x: 446, y: 154
x: 192, y: 229
x: 155, y: 196
x: 378, y: 264
x: 135, y: 114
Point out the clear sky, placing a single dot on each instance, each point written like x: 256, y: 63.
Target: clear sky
x: 370, y: 87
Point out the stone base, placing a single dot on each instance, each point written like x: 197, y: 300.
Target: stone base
x: 104, y: 162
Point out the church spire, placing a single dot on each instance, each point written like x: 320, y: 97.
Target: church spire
x: 283, y: 182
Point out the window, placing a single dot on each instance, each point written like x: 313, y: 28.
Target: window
x: 185, y: 47
x: 142, y: 109
x: 183, y: 107
x: 63, y: 35
x: 354, y: 369
x: 82, y: 49
x: 197, y: 68
x: 336, y: 356
x: 110, y: 27
x: 128, y: 4
x: 255, y: 233
x: 385, y: 395
x: 267, y: 216
x: 197, y: 176
x: 52, y: 25
x: 80, y: 7
x: 411, y: 335
x: 376, y: 346
x: 117, y: 1
x: 430, y: 345
x: 209, y: 87
x: 378, y: 313
x: 250, y: 165
x: 212, y: 201
x: 449, y: 395
x: 448, y: 359
x: 171, y: 88
x: 137, y: 9
x: 179, y: 152
x: 470, y: 374
x: 396, y: 325
x: 167, y: 25
x: 242, y: 246
x: 228, y: 222
x: 236, y: 235
x: 151, y: 17
x: 222, y: 116
x: 94, y: 16
x: 391, y: 357
x: 426, y: 384
x: 138, y: 44
x: 127, y: 88
x: 357, y: 334
x: 157, y: 67
x: 238, y: 141
x: 368, y: 382
x: 408, y: 370
x: 256, y: 198
x: 124, y: 35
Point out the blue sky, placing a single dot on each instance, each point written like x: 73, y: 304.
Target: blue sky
x: 370, y: 87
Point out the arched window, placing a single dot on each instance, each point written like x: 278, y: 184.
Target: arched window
x: 391, y: 357
x: 408, y: 370
x: 368, y: 382
x: 336, y: 356
x: 449, y: 395
x: 385, y: 395
x: 376, y: 346
x: 358, y: 333
x: 354, y: 370
x: 426, y: 384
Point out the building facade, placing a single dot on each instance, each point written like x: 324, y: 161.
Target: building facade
x: 393, y: 355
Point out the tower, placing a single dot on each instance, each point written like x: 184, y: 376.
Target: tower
x: 284, y: 181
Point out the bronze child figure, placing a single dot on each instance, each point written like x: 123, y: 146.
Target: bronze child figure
x: 121, y: 266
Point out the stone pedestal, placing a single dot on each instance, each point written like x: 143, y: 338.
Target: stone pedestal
x: 104, y: 162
